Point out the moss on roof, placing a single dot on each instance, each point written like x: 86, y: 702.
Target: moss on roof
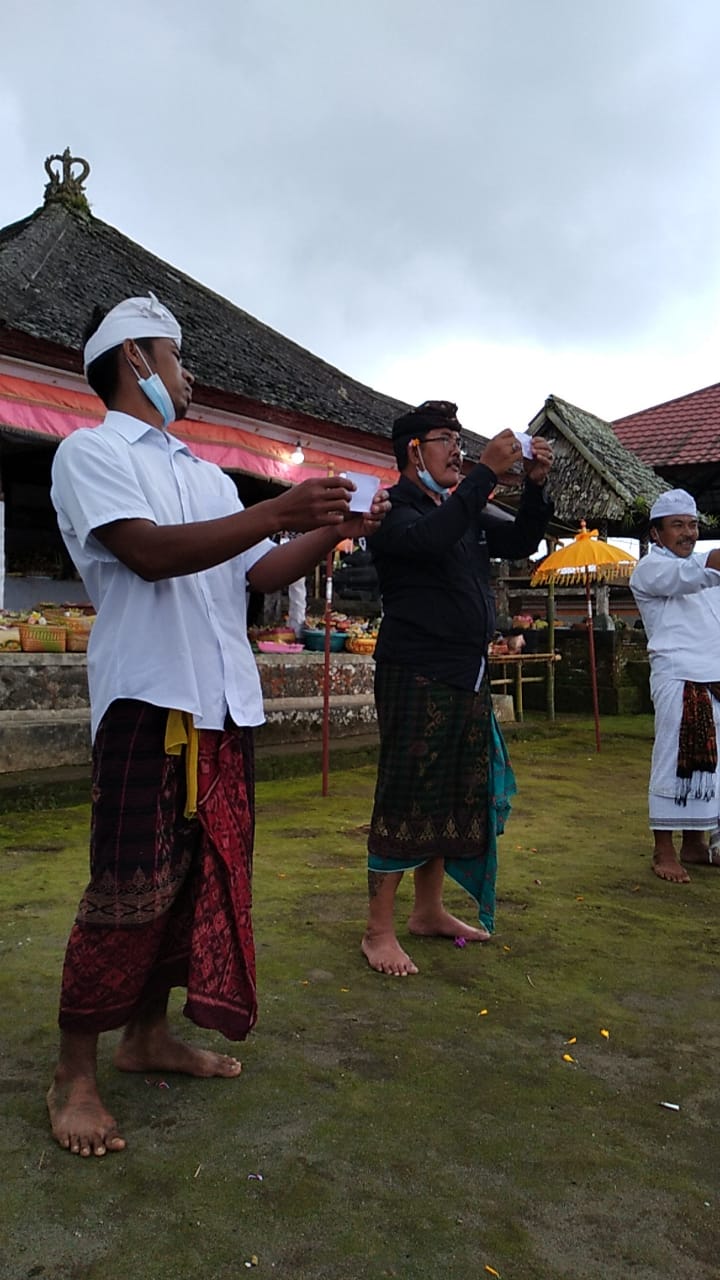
x: 594, y: 477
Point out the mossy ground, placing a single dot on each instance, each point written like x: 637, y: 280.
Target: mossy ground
x: 399, y: 1130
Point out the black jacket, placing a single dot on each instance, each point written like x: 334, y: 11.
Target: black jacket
x: 433, y: 563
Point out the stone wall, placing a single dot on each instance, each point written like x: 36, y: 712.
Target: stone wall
x: 45, y: 715
x: 43, y: 682
x: 45, y: 719
x: 623, y: 674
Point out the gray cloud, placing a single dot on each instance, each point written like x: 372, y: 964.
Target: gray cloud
x: 365, y: 174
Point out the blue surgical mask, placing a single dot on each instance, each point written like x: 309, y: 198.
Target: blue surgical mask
x: 429, y: 481
x: 158, y: 395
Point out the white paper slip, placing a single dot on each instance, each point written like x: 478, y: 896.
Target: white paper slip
x: 525, y: 443
x: 365, y: 489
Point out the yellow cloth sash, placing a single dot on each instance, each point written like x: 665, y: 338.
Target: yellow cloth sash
x: 181, y: 732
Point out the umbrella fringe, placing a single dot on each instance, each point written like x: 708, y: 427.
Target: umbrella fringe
x: 577, y: 576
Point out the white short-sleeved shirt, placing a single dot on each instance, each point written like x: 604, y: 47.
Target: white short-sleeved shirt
x: 178, y: 643
x: 679, y: 603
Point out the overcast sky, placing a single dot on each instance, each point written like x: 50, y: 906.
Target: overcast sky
x: 482, y: 200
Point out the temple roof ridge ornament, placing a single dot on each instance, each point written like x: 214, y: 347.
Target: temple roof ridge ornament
x: 66, y: 187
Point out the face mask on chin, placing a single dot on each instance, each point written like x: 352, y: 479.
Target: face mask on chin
x: 157, y: 393
x: 429, y: 481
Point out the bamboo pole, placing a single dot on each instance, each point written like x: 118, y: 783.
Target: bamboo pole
x: 550, y: 687
x: 593, y: 668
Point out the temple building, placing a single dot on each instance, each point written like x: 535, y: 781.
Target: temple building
x: 267, y: 411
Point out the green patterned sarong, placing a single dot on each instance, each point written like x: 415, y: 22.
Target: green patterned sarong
x: 444, y: 782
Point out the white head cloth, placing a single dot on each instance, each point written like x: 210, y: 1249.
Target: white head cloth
x: 676, y: 502
x: 134, y: 318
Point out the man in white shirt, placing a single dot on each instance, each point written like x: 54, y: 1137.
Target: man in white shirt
x: 167, y: 553
x: 677, y: 593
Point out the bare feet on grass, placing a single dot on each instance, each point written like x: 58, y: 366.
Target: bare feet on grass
x: 79, y: 1120
x: 438, y: 923
x: 158, y: 1050
x: 698, y: 853
x: 384, y: 953
x: 666, y: 867
x: 694, y: 850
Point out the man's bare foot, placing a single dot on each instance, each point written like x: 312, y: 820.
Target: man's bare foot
x: 666, y: 867
x: 698, y: 853
x: 440, y: 924
x: 157, y: 1050
x: 384, y: 953
x: 79, y: 1120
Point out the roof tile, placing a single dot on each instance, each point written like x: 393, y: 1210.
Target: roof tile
x: 680, y: 432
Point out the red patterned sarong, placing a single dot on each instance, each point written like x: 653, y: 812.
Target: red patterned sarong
x: 169, y: 899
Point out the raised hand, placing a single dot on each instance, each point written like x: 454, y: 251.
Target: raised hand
x: 314, y: 504
x: 538, y: 467
x: 501, y: 454
x: 364, y: 525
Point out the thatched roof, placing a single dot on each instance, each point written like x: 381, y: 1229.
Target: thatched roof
x: 593, y: 476
x: 59, y: 262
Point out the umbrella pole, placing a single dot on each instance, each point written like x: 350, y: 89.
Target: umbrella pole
x: 326, y: 676
x: 551, y: 650
x: 593, y: 669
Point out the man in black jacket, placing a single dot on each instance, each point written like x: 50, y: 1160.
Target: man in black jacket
x: 444, y: 779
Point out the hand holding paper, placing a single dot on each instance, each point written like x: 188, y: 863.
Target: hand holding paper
x: 365, y: 489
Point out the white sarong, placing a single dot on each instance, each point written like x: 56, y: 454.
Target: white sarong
x: 665, y: 814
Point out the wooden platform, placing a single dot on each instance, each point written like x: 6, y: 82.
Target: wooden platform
x: 515, y: 674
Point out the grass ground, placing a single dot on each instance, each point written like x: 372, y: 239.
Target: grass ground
x: 427, y: 1127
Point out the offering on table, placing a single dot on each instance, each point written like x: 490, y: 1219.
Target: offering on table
x: 9, y: 638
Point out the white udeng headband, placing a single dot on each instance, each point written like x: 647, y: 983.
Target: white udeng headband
x: 675, y: 502
x: 134, y: 318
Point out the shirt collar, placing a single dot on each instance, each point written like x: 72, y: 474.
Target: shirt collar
x: 134, y: 429
x: 656, y: 549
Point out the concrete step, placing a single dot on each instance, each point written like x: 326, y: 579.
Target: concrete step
x: 32, y: 739
x: 36, y: 739
x: 301, y: 719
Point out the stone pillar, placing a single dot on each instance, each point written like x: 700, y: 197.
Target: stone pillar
x: 603, y: 621
x: 501, y: 593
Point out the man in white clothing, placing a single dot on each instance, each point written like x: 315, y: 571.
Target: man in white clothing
x: 678, y: 595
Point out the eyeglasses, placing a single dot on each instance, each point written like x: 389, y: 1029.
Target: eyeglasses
x: 449, y: 441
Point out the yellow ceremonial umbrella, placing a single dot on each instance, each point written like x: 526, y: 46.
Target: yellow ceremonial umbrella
x: 586, y: 559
